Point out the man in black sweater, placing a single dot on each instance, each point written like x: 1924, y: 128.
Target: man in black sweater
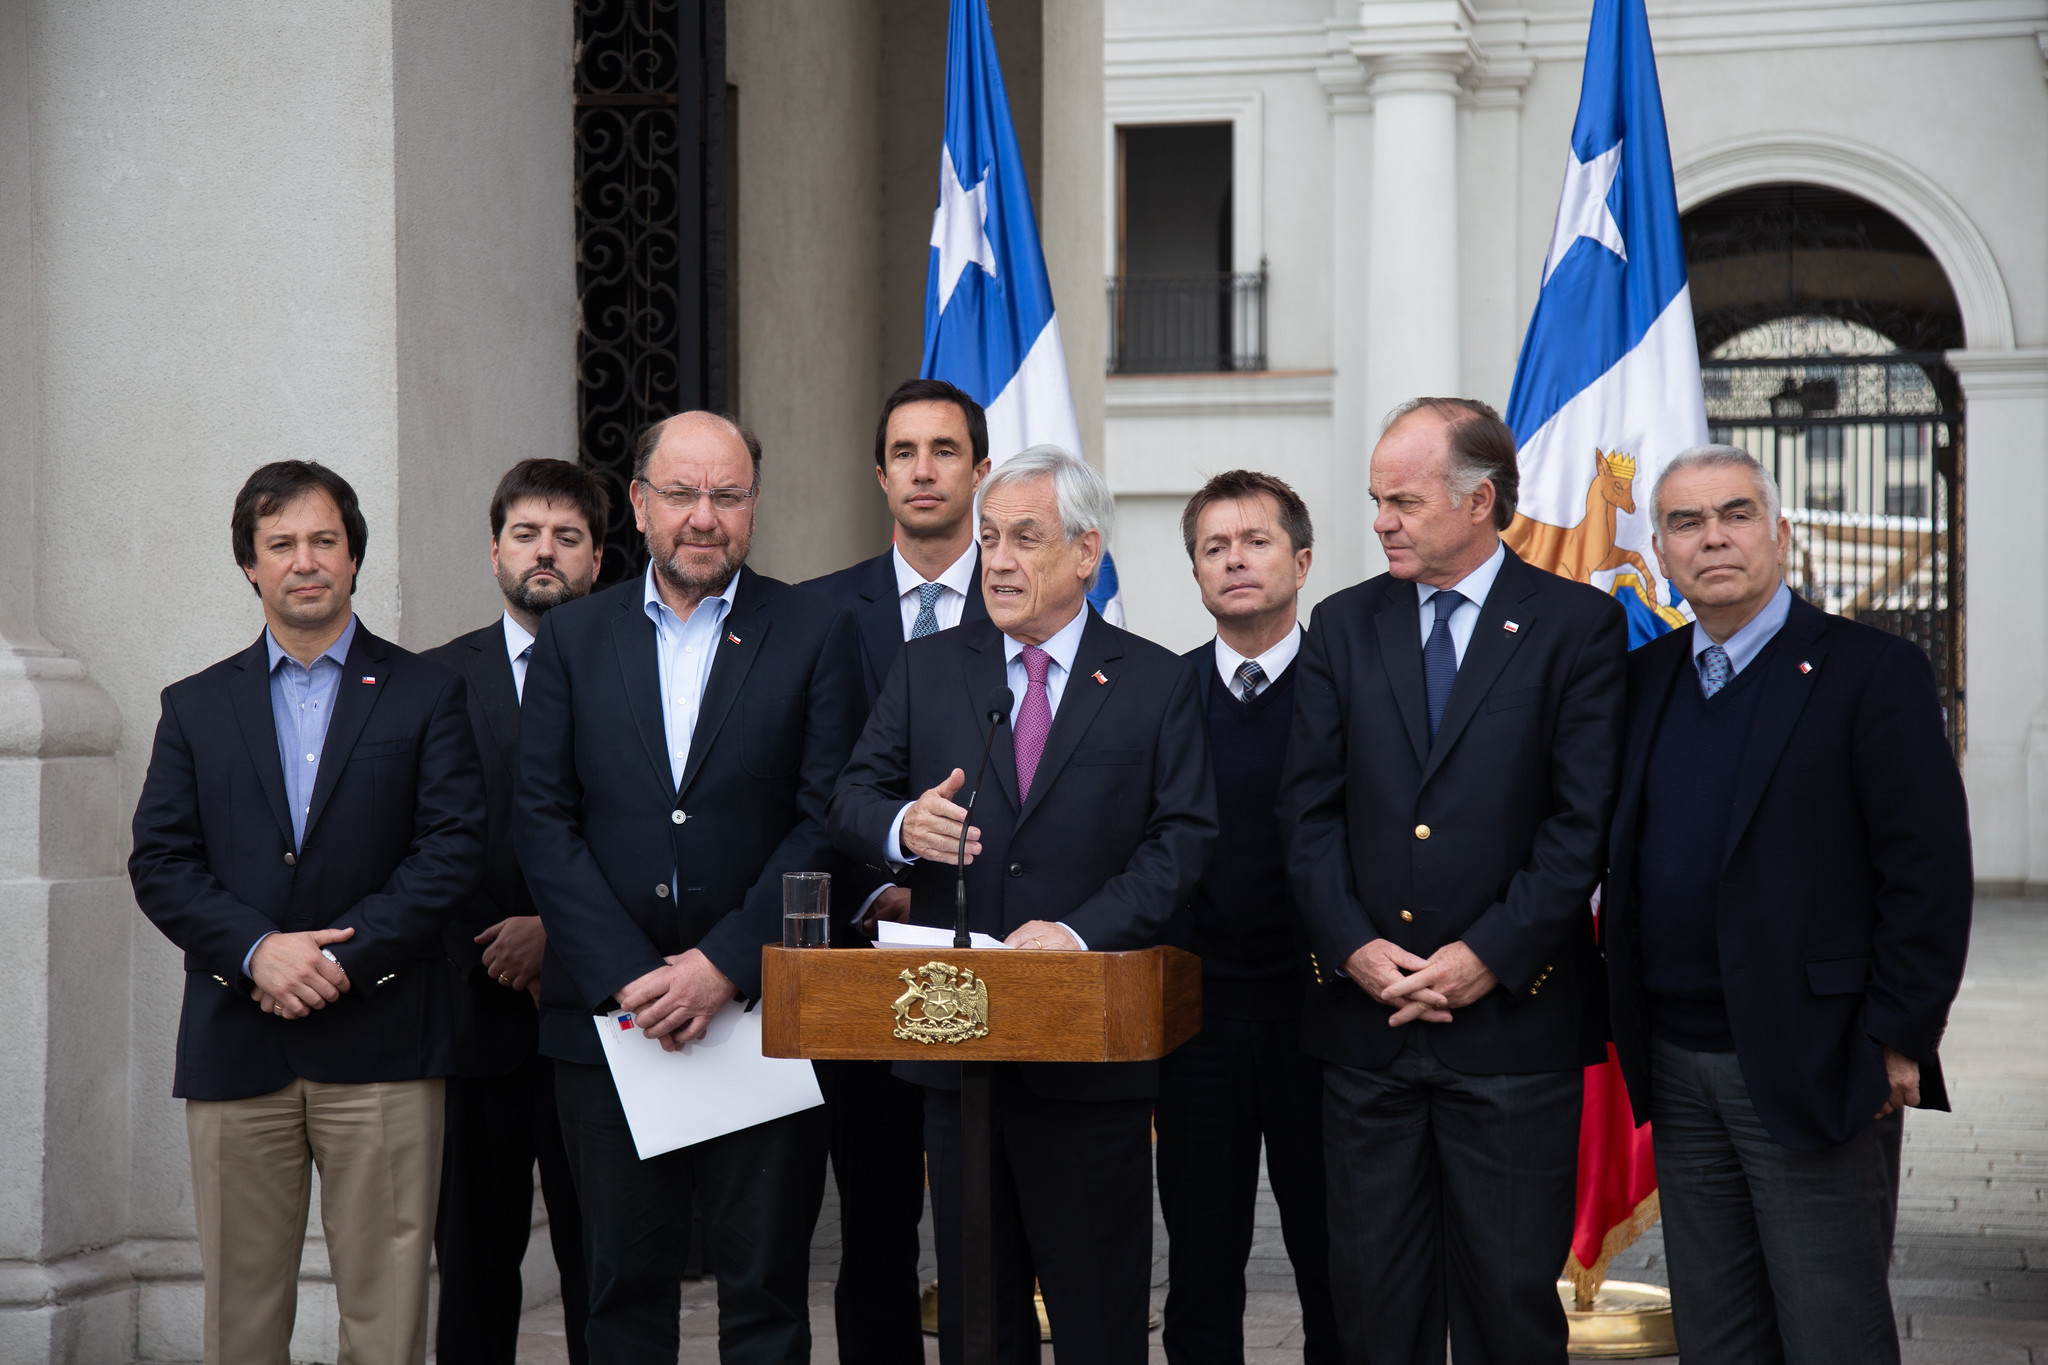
x: 1786, y: 915
x: 1244, y: 1077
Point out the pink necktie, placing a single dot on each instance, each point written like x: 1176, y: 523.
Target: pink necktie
x: 1034, y: 719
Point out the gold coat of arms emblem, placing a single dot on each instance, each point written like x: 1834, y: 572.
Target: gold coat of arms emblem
x: 942, y: 1004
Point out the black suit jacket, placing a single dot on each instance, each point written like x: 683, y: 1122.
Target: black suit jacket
x: 602, y: 827
x: 393, y: 843
x: 1115, y: 835
x: 868, y: 590
x: 1515, y: 795
x: 496, y: 1029
x: 1846, y: 884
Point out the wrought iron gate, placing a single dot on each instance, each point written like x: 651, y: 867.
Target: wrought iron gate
x: 1867, y: 446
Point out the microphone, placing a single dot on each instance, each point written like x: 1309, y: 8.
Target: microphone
x: 997, y: 710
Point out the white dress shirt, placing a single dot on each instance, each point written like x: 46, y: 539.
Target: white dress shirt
x: 1272, y: 663
x: 958, y: 581
x: 519, y: 648
x: 683, y: 652
x: 1063, y: 646
x: 1744, y: 645
x: 1474, y: 586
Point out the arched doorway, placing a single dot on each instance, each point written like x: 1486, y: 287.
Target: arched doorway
x: 1822, y: 323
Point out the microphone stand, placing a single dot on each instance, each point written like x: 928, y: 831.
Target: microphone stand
x: 998, y: 711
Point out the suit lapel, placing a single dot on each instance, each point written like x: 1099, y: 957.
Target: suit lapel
x: 363, y: 676
x: 1785, y: 690
x: 880, y: 620
x: 1488, y: 652
x: 977, y: 606
x: 250, y: 695
x: 640, y: 669
x: 739, y: 643
x: 1660, y: 668
x: 1400, y: 626
x: 490, y: 678
x: 986, y: 670
x: 1080, y: 700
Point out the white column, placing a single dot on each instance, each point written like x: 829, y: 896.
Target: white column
x: 1349, y: 552
x: 2005, y: 656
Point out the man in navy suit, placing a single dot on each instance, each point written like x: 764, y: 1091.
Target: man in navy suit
x: 931, y: 451
x: 677, y: 747
x: 547, y: 524
x: 312, y: 817
x: 1786, y: 916
x: 1093, y: 825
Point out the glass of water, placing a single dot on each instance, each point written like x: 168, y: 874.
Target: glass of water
x: 806, y: 902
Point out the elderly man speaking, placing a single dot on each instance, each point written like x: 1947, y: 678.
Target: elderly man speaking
x: 1093, y: 824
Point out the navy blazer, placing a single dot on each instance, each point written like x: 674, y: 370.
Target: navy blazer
x: 496, y: 1029
x: 1846, y: 885
x: 868, y: 590
x: 603, y: 828
x: 1115, y: 834
x: 392, y: 849
x: 1496, y: 834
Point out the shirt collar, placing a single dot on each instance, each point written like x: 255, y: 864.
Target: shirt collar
x: 338, y: 651
x: 651, y: 603
x: 1272, y: 663
x: 1745, y: 644
x: 1474, y: 585
x: 1063, y: 646
x: 517, y: 638
x: 959, y: 575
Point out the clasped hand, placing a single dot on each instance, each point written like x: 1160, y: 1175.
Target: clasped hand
x: 931, y: 829
x: 292, y: 977
x: 1417, y: 987
x: 673, y: 1004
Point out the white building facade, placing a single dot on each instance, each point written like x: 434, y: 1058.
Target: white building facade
x: 1395, y: 167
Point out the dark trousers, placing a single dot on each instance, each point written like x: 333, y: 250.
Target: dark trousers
x: 878, y: 1165
x: 1233, y: 1084
x: 1072, y: 1201
x: 498, y: 1127
x: 759, y: 1188
x: 1777, y: 1257
x: 1451, y: 1204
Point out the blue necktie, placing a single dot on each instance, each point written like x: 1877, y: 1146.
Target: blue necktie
x: 1715, y: 670
x: 927, y: 622
x: 1440, y: 657
x: 1249, y: 676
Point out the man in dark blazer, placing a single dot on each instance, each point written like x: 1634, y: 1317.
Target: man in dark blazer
x: 1786, y: 916
x: 1093, y: 824
x: 312, y: 816
x: 547, y: 520
x: 678, y: 744
x: 1244, y: 1082
x: 1448, y: 785
x: 931, y: 450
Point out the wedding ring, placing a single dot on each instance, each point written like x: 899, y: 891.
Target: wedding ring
x: 504, y: 979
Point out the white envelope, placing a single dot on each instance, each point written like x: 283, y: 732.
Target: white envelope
x: 890, y: 934
x: 714, y: 1086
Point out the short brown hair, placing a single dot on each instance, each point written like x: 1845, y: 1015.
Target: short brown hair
x: 1482, y: 451
x: 279, y: 484
x: 933, y: 391
x: 650, y: 438
x: 552, y: 481
x: 1236, y: 484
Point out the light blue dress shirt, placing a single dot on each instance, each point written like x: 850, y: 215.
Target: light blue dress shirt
x: 1744, y: 645
x: 1475, y: 586
x: 301, y: 705
x: 683, y: 652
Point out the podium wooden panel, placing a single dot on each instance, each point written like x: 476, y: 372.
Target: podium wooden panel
x: 839, y: 1004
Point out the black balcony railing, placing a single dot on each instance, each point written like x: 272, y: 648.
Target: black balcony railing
x: 1180, y: 324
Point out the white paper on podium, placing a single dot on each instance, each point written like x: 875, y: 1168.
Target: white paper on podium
x: 717, y: 1085
x: 890, y: 934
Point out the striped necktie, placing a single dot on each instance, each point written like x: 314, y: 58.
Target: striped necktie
x: 1249, y: 677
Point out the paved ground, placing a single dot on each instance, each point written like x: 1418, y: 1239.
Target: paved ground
x: 1970, y: 1270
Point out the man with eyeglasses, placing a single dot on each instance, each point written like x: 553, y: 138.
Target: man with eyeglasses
x: 679, y: 740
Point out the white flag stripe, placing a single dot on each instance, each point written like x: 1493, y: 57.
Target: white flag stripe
x: 1036, y: 407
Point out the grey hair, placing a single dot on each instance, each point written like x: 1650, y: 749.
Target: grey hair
x: 1084, y: 500
x: 1717, y: 457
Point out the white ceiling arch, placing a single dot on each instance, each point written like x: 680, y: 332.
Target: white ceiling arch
x: 1886, y: 181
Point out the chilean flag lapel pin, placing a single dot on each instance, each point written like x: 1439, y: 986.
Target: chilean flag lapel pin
x: 1510, y: 627
x: 369, y: 682
x: 732, y: 637
x: 1805, y: 667
x: 1097, y: 675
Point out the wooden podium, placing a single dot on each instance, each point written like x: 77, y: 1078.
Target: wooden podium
x: 977, y: 1006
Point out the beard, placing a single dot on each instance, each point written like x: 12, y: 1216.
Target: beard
x: 697, y: 582
x: 537, y: 598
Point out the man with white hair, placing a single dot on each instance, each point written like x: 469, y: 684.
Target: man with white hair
x: 1786, y: 916
x: 1093, y: 824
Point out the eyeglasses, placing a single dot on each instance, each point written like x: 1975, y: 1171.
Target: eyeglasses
x: 683, y: 498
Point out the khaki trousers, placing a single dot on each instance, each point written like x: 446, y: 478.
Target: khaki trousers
x: 378, y: 1147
